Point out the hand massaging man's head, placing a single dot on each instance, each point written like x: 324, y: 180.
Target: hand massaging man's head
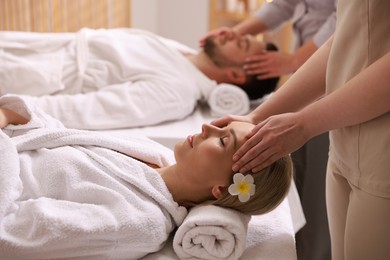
x: 203, y: 172
x: 229, y: 54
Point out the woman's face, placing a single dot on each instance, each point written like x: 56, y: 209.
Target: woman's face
x: 205, y: 159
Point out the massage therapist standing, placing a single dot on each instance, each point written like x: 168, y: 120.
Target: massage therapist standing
x: 352, y: 70
x: 313, y: 22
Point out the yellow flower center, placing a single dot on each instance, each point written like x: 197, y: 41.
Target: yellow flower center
x: 243, y: 187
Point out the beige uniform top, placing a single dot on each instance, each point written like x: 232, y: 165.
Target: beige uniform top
x: 362, y: 36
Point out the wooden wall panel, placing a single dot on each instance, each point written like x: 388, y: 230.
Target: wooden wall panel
x: 63, y: 15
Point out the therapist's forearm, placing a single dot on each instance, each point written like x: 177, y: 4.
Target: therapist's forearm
x: 252, y: 25
x: 306, y: 85
x: 302, y: 54
x: 362, y: 98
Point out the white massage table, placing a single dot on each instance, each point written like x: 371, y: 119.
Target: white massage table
x: 266, y: 240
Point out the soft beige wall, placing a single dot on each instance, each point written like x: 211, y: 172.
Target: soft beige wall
x: 183, y: 20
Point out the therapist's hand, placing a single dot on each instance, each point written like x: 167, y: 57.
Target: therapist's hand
x: 270, y: 140
x: 229, y: 32
x: 224, y: 121
x: 270, y: 64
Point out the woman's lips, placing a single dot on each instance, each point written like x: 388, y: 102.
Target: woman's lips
x: 190, y: 140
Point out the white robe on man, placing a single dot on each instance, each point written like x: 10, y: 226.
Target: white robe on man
x: 103, y: 79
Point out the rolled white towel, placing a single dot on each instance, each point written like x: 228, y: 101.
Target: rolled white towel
x: 211, y: 232
x: 228, y: 99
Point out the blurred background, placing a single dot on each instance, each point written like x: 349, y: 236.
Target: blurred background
x: 183, y: 20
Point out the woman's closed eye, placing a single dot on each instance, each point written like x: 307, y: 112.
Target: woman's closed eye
x: 223, y: 141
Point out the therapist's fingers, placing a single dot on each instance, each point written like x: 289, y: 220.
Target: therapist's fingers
x: 224, y: 121
x: 272, y: 139
x: 258, y: 65
x: 257, y: 166
x: 262, y: 72
x: 222, y: 30
x: 221, y: 122
x: 252, y: 60
x: 249, y: 150
x: 270, y: 64
x: 261, y: 154
x: 259, y: 163
x: 253, y: 63
x: 251, y: 159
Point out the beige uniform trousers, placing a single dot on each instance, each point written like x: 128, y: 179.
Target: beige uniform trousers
x: 358, y: 175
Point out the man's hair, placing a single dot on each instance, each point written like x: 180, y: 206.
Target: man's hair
x: 212, y: 51
x: 254, y: 88
x: 258, y: 88
x: 271, y: 187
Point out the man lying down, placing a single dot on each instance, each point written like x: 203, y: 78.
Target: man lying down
x: 125, y: 77
x: 74, y: 193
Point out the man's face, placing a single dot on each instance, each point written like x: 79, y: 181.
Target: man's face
x: 232, y: 51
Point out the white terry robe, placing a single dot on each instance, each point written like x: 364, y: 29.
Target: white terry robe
x: 117, y: 78
x: 68, y: 193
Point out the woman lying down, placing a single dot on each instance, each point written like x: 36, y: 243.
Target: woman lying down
x: 73, y: 193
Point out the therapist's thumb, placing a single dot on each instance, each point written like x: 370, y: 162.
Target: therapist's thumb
x: 221, y: 122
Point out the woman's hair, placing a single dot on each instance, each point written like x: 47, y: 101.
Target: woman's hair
x: 258, y: 88
x: 272, y: 185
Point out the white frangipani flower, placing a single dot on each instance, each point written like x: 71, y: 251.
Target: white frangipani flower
x: 242, y: 186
